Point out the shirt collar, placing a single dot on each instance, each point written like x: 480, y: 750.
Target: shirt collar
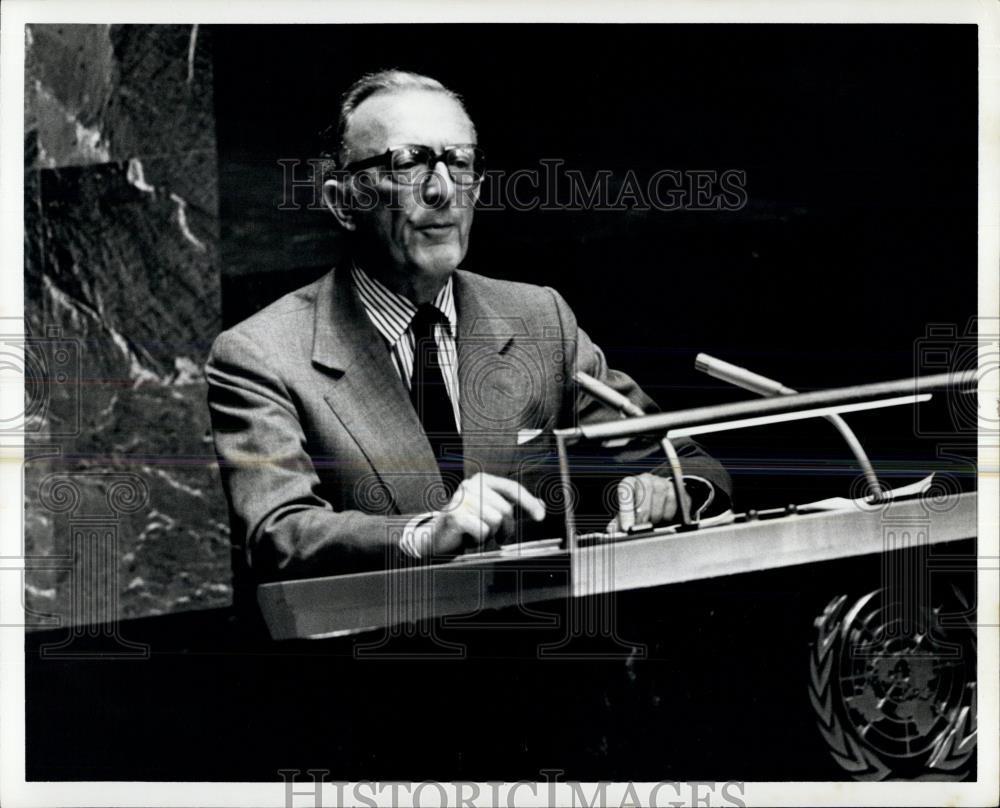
x: 391, y: 313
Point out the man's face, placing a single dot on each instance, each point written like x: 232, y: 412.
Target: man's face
x: 420, y: 230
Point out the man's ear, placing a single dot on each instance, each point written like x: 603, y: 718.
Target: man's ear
x: 337, y: 197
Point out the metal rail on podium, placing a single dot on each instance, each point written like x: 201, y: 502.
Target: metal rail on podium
x: 588, y: 564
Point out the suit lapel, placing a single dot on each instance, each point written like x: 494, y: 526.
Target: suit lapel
x: 484, y: 334
x: 367, y: 395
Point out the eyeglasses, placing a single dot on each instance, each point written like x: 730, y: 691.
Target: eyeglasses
x: 411, y: 164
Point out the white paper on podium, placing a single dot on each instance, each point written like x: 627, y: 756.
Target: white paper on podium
x: 839, y: 503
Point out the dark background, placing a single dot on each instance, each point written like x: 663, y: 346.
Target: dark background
x: 859, y: 147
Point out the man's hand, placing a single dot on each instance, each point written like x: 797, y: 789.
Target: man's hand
x: 645, y: 499
x: 480, y: 506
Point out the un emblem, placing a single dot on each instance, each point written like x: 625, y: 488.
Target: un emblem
x: 894, y: 690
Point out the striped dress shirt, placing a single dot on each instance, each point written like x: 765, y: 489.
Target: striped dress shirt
x: 392, y: 315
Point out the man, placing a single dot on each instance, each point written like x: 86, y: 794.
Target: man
x: 400, y: 409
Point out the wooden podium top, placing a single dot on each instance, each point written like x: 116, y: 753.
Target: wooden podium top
x: 541, y: 571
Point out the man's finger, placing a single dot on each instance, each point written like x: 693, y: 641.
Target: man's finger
x: 472, y: 525
x: 490, y: 515
x: 645, y: 502
x: 496, y: 501
x: 662, y: 499
x: 509, y: 527
x: 478, y: 503
x: 516, y: 493
x: 626, y: 502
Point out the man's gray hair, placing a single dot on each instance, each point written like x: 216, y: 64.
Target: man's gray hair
x: 334, y: 151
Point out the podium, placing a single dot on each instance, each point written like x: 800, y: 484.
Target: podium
x: 584, y: 566
x: 544, y: 571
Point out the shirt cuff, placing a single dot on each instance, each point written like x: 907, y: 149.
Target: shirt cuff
x: 702, y: 494
x: 415, y: 534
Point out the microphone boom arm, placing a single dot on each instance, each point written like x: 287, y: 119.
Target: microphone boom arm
x: 755, y: 383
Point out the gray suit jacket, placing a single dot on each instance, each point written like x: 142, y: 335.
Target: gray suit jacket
x: 323, y: 458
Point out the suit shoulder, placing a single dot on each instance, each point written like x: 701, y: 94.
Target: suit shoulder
x: 284, y: 312
x: 512, y: 294
x: 278, y: 324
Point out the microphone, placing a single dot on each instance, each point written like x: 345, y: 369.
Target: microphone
x: 741, y: 377
x: 763, y: 386
x: 607, y: 394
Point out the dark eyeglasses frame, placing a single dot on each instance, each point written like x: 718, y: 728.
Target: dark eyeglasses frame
x: 384, y: 160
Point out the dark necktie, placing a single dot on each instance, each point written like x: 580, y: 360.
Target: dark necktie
x: 430, y: 396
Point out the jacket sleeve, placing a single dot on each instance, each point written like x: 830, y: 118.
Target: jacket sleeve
x: 286, y: 529
x: 582, y: 354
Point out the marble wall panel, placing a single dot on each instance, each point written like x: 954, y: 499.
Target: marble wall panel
x: 98, y: 92
x: 130, y: 250
x: 122, y: 301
